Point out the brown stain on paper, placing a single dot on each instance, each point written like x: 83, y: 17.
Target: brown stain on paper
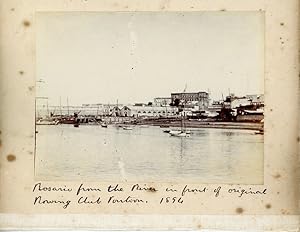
x: 26, y: 23
x: 31, y: 88
x: 268, y: 206
x: 277, y: 176
x: 284, y: 211
x: 239, y: 210
x: 11, y: 158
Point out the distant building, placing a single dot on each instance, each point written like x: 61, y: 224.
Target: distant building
x: 125, y: 111
x: 152, y: 111
x: 257, y: 99
x: 197, y: 98
x: 162, y: 101
x: 239, y: 102
x: 216, y: 106
x: 115, y: 111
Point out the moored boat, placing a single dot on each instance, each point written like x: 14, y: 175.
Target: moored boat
x: 164, y: 126
x: 104, y: 125
x: 175, y: 132
x: 47, y: 122
x: 260, y: 132
x: 181, y: 134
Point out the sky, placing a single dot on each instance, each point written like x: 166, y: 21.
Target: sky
x: 129, y: 57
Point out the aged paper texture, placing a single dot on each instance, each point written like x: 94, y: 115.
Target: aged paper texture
x: 149, y: 115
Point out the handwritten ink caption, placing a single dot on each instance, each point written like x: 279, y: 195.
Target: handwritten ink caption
x: 114, y: 194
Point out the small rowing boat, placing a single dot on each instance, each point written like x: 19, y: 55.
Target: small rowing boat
x: 181, y: 134
x: 104, y: 125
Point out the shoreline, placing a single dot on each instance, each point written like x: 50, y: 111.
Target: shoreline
x: 188, y: 124
x: 216, y: 125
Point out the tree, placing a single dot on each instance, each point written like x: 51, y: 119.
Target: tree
x: 176, y: 102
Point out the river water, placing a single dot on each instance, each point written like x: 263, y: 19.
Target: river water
x: 93, y: 153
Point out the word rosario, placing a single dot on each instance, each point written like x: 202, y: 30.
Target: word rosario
x: 40, y: 188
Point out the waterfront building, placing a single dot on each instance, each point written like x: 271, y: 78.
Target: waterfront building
x: 115, y: 111
x: 216, y: 106
x: 125, y: 111
x: 162, y: 101
x: 256, y: 99
x: 196, y: 98
x: 239, y: 102
x: 153, y: 111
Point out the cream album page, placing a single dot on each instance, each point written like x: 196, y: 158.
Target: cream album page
x: 149, y: 115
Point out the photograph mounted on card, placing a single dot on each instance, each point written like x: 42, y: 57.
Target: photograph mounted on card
x: 118, y: 114
x: 150, y: 96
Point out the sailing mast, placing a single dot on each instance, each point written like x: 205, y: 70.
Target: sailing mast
x: 60, y: 107
x: 68, y: 106
x: 48, y: 115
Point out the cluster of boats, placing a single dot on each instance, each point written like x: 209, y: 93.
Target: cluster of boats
x: 182, y: 132
x: 105, y: 125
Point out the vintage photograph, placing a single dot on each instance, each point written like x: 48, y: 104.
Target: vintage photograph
x: 150, y: 96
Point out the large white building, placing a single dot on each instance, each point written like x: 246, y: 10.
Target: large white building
x: 152, y: 111
x: 162, y: 101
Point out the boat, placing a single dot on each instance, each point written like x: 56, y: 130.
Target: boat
x: 164, y: 126
x: 104, y: 125
x: 175, y: 132
x: 127, y: 128
x: 181, y: 133
x: 47, y: 122
x: 260, y: 132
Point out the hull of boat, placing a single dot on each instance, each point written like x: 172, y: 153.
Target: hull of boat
x: 183, y: 134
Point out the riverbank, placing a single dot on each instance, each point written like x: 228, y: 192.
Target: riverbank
x: 174, y: 122
x: 202, y: 124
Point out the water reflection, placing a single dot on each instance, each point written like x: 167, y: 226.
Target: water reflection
x: 95, y: 153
